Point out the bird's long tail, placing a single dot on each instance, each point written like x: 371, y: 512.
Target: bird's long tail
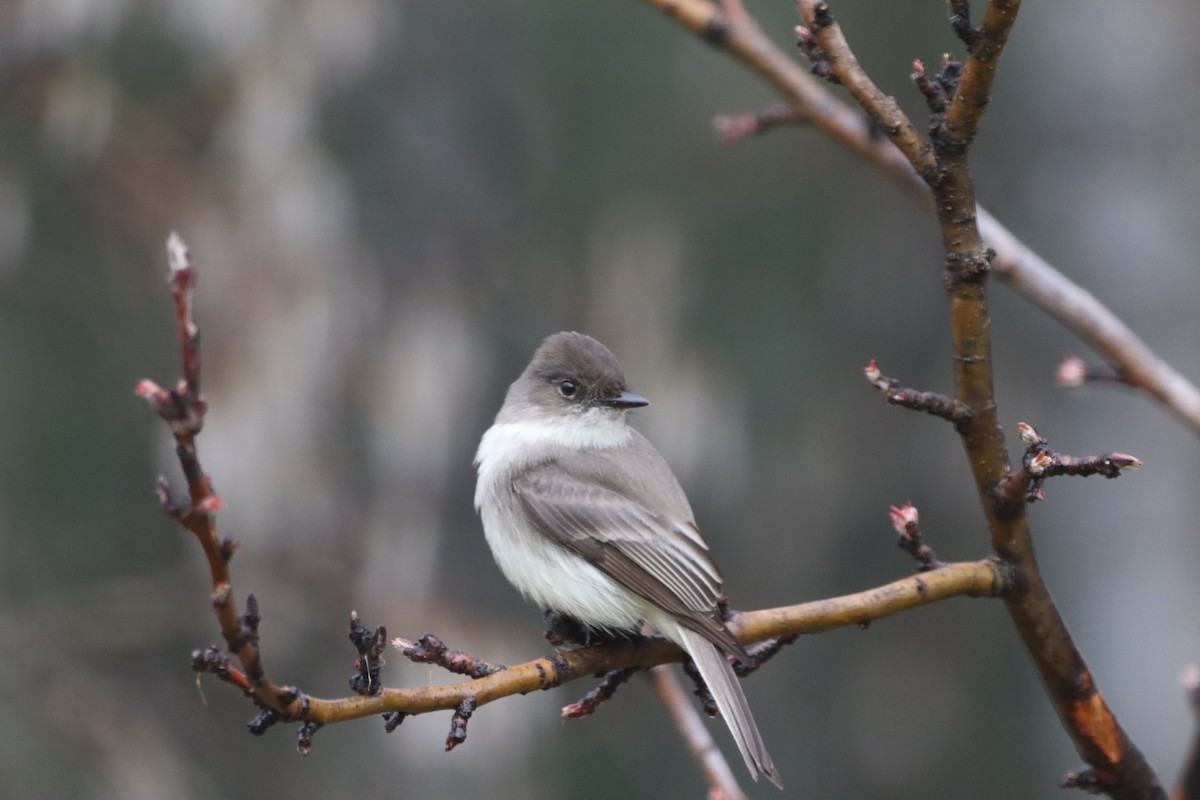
x: 723, y: 684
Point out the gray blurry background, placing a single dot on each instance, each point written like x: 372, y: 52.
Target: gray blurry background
x: 390, y: 204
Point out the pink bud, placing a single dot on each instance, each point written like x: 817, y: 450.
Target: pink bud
x: 211, y: 504
x: 1028, y: 434
x: 157, y: 397
x: 731, y: 128
x: 904, y: 519
x: 1125, y: 461
x: 1071, y: 372
x: 918, y: 68
x: 872, y: 372
x: 1040, y: 463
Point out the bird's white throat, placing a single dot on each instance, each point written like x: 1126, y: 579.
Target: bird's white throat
x: 517, y: 443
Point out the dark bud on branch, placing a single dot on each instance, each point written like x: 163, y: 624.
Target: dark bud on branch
x: 265, y: 719
x: 817, y: 57
x: 458, y: 723
x: 304, y: 737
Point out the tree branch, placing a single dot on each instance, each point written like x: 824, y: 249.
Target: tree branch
x: 1117, y: 766
x: 722, y: 785
x: 974, y: 579
x: 1026, y: 272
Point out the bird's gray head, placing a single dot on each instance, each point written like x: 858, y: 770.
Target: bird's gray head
x: 570, y: 373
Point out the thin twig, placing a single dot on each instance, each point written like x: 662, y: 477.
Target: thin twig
x: 722, y: 785
x: 883, y: 109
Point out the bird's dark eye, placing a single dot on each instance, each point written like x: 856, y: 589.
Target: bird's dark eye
x: 567, y: 388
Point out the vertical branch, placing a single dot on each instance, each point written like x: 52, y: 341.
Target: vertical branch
x: 183, y: 410
x: 1117, y: 766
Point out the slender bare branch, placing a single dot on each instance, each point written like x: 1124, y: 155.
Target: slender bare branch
x: 722, y: 785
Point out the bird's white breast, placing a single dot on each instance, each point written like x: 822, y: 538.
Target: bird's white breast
x: 543, y: 570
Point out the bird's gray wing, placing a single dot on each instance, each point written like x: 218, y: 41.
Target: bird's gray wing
x: 661, y: 560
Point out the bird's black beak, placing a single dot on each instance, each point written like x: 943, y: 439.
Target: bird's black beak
x: 625, y: 400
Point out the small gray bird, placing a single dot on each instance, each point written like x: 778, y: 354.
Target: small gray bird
x: 586, y: 519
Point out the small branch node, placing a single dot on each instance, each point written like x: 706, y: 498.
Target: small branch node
x: 819, y: 63
x: 1084, y: 779
x: 228, y: 548
x: 967, y: 268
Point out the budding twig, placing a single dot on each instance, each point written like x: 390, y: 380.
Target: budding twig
x: 603, y: 691
x: 1041, y: 461
x: 367, y: 666
x: 733, y: 128
x: 939, y: 405
x: 1073, y: 372
x: 429, y: 649
x: 906, y: 523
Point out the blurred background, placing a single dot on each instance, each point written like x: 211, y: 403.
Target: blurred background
x: 390, y: 204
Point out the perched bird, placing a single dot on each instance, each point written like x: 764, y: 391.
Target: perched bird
x: 586, y: 519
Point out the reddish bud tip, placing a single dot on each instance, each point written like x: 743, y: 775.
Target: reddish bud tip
x: 872, y: 372
x: 1071, y: 372
x: 402, y: 644
x: 1029, y: 434
x: 177, y: 253
x: 1125, y: 461
x: 731, y: 128
x: 918, y: 68
x: 573, y: 711
x: 211, y: 504
x: 803, y: 33
x: 904, y: 519
x: 1040, y: 463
